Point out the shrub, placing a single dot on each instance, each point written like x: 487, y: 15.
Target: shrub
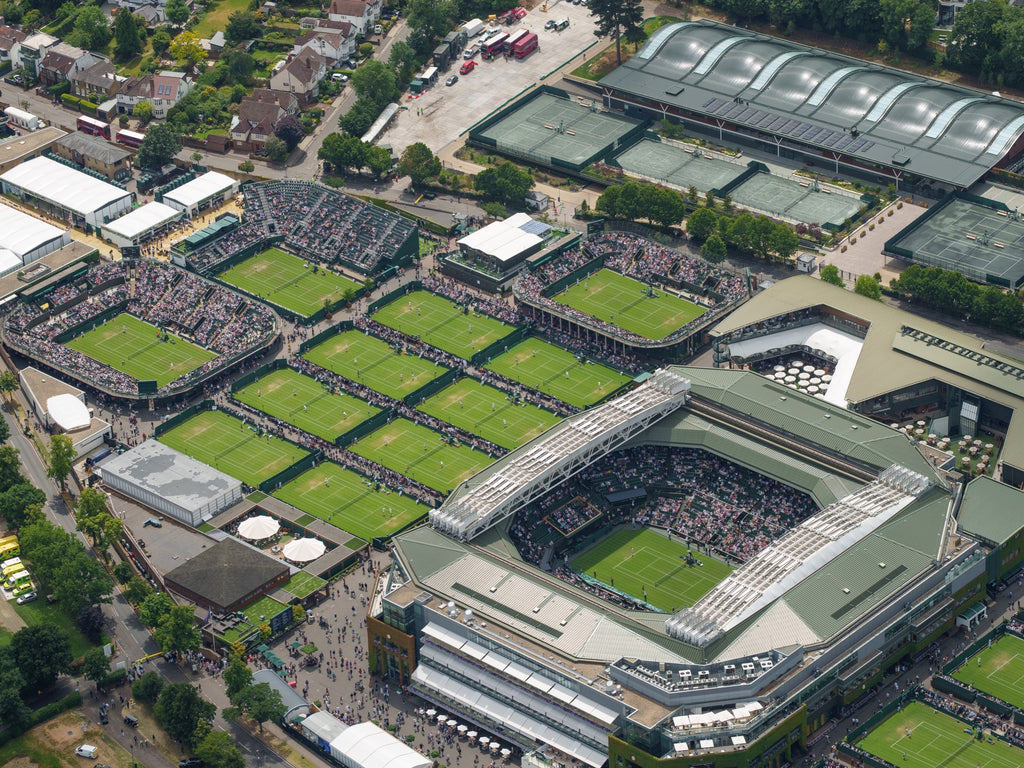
x: 70, y: 99
x: 88, y: 106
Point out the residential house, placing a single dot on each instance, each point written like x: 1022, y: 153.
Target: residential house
x: 301, y: 76
x: 61, y: 60
x: 94, y: 153
x: 361, y: 14
x: 284, y: 99
x: 163, y: 90
x: 31, y: 51
x: 97, y: 82
x: 153, y: 14
x: 254, y: 124
x: 333, y: 46
x: 9, y: 37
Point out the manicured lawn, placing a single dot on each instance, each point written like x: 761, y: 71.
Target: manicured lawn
x: 134, y: 347
x: 349, y: 501
x: 226, y: 444
x: 420, y: 454
x: 302, y: 401
x: 634, y: 560
x: 919, y: 737
x: 441, y: 323
x: 216, y: 17
x: 558, y: 372
x: 285, y: 280
x: 997, y: 670
x: 489, y: 413
x: 303, y: 584
x: 625, y: 302
x: 41, y: 612
x: 373, y: 362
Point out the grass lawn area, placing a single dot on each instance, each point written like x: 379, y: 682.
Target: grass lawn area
x: 303, y: 584
x: 373, y: 362
x: 557, y: 372
x: 420, y: 454
x: 603, y: 62
x: 935, y: 739
x: 440, y: 323
x: 267, y: 607
x: 223, y: 442
x: 131, y: 346
x: 623, y: 301
x: 487, y: 412
x: 41, y: 612
x: 997, y: 670
x: 285, y: 280
x: 633, y: 560
x: 348, y: 500
x: 300, y: 400
x: 216, y: 17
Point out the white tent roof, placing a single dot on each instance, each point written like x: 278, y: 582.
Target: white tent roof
x: 201, y: 188
x: 9, y: 261
x: 303, y: 550
x: 142, y: 220
x: 68, y: 411
x: 56, y: 183
x: 364, y: 744
x: 259, y: 527
x: 503, y: 240
x: 22, y: 233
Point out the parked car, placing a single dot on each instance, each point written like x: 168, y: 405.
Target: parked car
x: 452, y: 80
x: 28, y: 597
x: 549, y: 24
x: 104, y: 717
x: 190, y: 762
x: 154, y: 522
x: 131, y: 721
x: 468, y: 67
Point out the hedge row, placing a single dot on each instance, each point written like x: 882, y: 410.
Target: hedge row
x: 74, y: 101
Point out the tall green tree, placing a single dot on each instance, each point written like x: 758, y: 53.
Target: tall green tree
x: 90, y: 30
x: 506, y: 184
x: 866, y: 285
x: 148, y: 687
x: 617, y: 17
x: 177, y: 631
x: 9, y: 384
x: 62, y: 454
x: 177, y: 12
x: 154, y: 608
x: 96, y: 522
x: 376, y: 82
x: 218, y: 750
x: 41, y: 653
x: 127, y: 41
x: 161, y: 40
x: 260, y: 703
x: 20, y: 503
x: 237, y: 677
x: 14, y: 712
x: 95, y: 665
x: 701, y: 224
x: 243, y: 25
x: 713, y: 250
x: 418, y: 163
x: 159, y: 147
x: 830, y: 274
x: 180, y: 710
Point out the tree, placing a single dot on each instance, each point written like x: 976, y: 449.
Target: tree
x: 90, y: 620
x: 418, y: 163
x: 95, y: 665
x: 180, y: 710
x: 90, y: 30
x: 430, y: 18
x: 41, y: 653
x: 96, y: 522
x: 20, y: 503
x: 830, y: 274
x: 177, y: 630
x: 123, y: 572
x: 186, y: 47
x: 376, y: 82
x: 290, y: 131
x: 8, y: 385
x: 783, y: 241
x: 261, y: 703
x: 14, y: 712
x: 62, y: 455
x: 506, y: 184
x: 866, y: 285
x: 495, y: 210
x: 137, y: 590
x: 343, y: 152
x: 237, y: 677
x: 713, y: 249
x: 78, y: 581
x: 616, y: 17
x: 126, y: 35
x: 664, y: 206
x: 378, y: 160
x: 218, y: 750
x: 148, y: 687
x: 243, y: 25
x: 177, y: 12
x: 402, y: 59
x: 276, y: 150
x: 159, y: 147
x: 161, y: 39
x: 143, y: 110
x: 701, y: 224
x: 240, y: 66
x: 359, y: 117
x: 154, y: 608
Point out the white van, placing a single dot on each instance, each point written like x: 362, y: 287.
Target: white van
x: 87, y: 750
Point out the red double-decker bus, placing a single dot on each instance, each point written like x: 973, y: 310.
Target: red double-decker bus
x: 493, y: 45
x: 525, y: 46
x: 130, y: 138
x: 93, y: 126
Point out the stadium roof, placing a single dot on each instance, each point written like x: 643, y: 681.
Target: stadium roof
x: 143, y: 219
x: 200, y: 189
x: 848, y: 106
x: 68, y: 188
x: 21, y: 233
x: 991, y: 510
x: 227, y: 572
x: 894, y: 358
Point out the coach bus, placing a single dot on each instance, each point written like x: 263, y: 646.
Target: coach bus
x: 493, y: 45
x: 130, y: 138
x: 93, y: 126
x: 506, y: 47
x: 525, y: 46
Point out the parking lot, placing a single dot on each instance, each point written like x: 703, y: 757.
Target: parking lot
x: 440, y: 114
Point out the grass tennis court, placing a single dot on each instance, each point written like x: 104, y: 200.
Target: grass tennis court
x: 303, y: 584
x: 421, y: 455
x: 132, y: 346
x: 285, y: 280
x: 302, y: 401
x: 487, y: 412
x: 348, y: 500
x: 935, y: 739
x: 372, y: 362
x: 635, y: 559
x: 615, y: 298
x: 441, y: 323
x: 224, y: 443
x: 997, y: 670
x: 557, y: 372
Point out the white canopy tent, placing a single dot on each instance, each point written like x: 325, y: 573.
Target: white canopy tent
x: 259, y: 527
x: 68, y: 411
x: 303, y: 550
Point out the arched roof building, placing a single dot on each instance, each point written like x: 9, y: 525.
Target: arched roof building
x: 801, y: 102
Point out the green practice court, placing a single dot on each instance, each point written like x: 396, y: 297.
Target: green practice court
x: 225, y: 443
x: 636, y: 559
x: 440, y: 323
x: 918, y: 737
x: 349, y: 501
x: 303, y: 402
x: 132, y: 346
x: 625, y: 302
x: 288, y: 281
x: 373, y: 362
x: 419, y: 453
x: 489, y: 413
x: 997, y: 670
x: 557, y: 372
x: 794, y: 200
x: 680, y: 167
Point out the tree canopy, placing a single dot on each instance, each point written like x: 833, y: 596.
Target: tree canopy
x: 159, y: 147
x: 507, y: 184
x: 243, y: 25
x: 91, y: 30
x: 180, y: 710
x: 866, y: 285
x: 618, y: 17
x: 62, y: 454
x: 418, y: 163
x: 830, y: 274
x: 950, y: 292
x: 129, y: 35
x: 177, y: 12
